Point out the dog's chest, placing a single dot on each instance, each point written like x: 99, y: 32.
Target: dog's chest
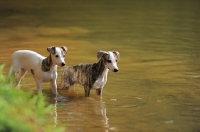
x: 48, y: 76
x: 99, y: 82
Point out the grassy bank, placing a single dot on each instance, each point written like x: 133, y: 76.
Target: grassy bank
x: 20, y: 111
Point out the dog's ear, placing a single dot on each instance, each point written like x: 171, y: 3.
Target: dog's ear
x: 101, y: 53
x: 64, y: 48
x: 52, y: 49
x: 117, y: 54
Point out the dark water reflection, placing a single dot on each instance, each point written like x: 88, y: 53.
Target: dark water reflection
x: 157, y: 87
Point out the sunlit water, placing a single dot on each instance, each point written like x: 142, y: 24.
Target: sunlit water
x: 157, y: 87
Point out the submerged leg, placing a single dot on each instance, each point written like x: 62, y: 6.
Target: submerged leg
x: 99, y: 91
x: 87, y: 91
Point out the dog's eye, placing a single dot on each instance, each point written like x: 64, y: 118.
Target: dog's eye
x: 57, y: 56
x: 116, y: 60
x: 63, y: 55
x: 109, y: 61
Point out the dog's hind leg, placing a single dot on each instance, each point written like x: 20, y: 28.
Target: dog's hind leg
x: 22, y: 72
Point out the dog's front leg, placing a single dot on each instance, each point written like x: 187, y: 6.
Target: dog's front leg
x: 39, y: 83
x: 54, y: 86
x: 55, y: 91
x: 98, y: 91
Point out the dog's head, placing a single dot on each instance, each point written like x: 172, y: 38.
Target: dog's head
x: 110, y: 58
x: 58, y: 54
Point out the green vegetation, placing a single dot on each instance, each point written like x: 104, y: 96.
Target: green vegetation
x: 20, y: 111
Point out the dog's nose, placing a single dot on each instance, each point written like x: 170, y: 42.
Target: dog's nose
x: 63, y: 64
x: 116, y: 70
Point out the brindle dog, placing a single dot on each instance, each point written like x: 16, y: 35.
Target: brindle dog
x: 91, y: 75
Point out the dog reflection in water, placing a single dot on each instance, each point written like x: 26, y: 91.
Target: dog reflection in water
x: 81, y: 114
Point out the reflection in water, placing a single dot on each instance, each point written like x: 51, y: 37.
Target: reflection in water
x: 55, y: 114
x: 86, y: 113
x: 103, y: 112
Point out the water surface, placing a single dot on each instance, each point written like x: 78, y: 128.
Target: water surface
x: 157, y: 87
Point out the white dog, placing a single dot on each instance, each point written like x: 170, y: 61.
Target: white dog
x: 91, y: 75
x: 43, y: 69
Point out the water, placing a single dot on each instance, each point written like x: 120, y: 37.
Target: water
x: 157, y: 87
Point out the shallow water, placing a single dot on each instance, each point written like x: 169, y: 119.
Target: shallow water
x: 157, y: 87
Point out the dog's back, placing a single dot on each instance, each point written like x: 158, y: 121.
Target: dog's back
x: 25, y: 59
x: 76, y: 74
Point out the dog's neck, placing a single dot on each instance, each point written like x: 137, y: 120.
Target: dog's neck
x: 99, y: 69
x: 47, y: 63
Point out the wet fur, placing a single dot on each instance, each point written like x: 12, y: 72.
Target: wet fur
x: 84, y: 74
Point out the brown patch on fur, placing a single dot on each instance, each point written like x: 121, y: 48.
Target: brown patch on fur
x: 116, y: 54
x: 32, y: 72
x: 46, y: 64
x: 52, y: 49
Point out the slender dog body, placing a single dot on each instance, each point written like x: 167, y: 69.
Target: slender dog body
x: 91, y: 75
x: 43, y: 69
